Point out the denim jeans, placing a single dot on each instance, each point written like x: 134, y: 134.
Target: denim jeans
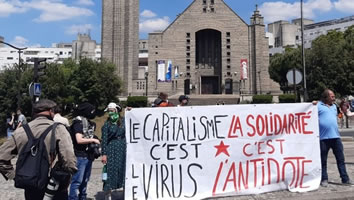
x: 337, y: 148
x: 9, y: 133
x: 80, y: 179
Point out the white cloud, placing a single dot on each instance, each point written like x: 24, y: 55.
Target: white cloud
x: 279, y: 10
x: 152, y: 25
x: 147, y: 14
x: 75, y: 29
x: 7, y: 8
x: 50, y: 10
x: 85, y: 2
x: 346, y: 6
x: 19, y: 41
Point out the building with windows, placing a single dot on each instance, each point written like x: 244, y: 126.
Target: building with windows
x: 10, y: 56
x: 85, y: 47
x: 208, y: 49
x: 283, y: 34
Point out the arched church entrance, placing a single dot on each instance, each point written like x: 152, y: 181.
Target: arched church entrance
x: 208, y: 60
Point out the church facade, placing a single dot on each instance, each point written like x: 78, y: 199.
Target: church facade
x: 208, y: 49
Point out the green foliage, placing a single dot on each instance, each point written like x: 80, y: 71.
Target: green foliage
x: 67, y: 84
x: 287, y: 98
x: 329, y: 64
x: 137, y: 101
x: 262, y: 98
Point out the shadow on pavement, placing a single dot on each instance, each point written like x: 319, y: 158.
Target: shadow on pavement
x: 116, y: 195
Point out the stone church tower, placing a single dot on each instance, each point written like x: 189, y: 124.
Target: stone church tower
x: 120, y: 36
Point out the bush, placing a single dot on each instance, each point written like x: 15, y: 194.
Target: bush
x: 287, y: 98
x: 262, y: 99
x: 137, y: 101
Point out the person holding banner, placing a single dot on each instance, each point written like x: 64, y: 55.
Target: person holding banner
x: 113, y: 149
x: 329, y: 137
x: 183, y: 100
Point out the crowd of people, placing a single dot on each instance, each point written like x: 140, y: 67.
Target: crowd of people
x: 77, y: 146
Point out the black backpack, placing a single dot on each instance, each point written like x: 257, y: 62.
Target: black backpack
x: 33, y: 164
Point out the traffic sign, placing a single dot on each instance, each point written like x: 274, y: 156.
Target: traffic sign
x: 290, y: 76
x: 37, y: 89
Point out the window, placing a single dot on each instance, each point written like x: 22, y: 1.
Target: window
x: 156, y: 47
x: 188, y: 35
x: 228, y: 60
x: 228, y: 34
x: 212, y: 2
x: 156, y: 53
x: 228, y: 67
x: 228, y: 54
x: 188, y: 48
x: 228, y: 47
x: 188, y: 41
x: 188, y: 55
x: 188, y: 68
x: 212, y: 9
x: 297, y: 37
x: 10, y: 58
x: 228, y: 41
x: 204, y: 2
x: 204, y: 10
x: 188, y: 61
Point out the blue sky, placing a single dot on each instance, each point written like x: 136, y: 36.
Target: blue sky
x: 34, y: 23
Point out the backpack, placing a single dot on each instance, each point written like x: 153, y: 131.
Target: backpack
x: 32, y: 166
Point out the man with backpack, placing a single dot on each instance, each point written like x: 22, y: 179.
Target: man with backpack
x: 37, y: 144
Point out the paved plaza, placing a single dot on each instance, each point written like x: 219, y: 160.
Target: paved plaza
x: 333, y: 191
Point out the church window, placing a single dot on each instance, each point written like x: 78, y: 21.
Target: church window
x: 212, y: 2
x: 228, y: 46
x: 228, y: 60
x: 228, y: 54
x: 204, y: 10
x: 188, y: 61
x: 188, y: 41
x: 228, y: 41
x: 188, y: 35
x: 204, y: 2
x: 156, y: 53
x: 188, y: 48
x: 188, y: 55
x: 228, y: 34
x: 188, y: 68
x: 212, y: 9
x: 228, y: 67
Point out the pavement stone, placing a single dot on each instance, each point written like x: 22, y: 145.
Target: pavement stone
x: 333, y: 191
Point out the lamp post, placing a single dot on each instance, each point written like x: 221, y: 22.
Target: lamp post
x: 19, y: 50
x: 146, y: 82
x: 303, y: 52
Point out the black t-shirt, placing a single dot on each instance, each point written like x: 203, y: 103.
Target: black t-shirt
x: 77, y: 128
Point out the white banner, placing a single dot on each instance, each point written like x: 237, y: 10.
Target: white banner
x: 209, y: 151
x: 161, y: 67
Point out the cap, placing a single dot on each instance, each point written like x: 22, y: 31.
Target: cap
x: 113, y: 105
x: 183, y: 97
x: 43, y: 105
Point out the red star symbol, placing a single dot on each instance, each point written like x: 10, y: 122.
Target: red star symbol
x: 222, y: 148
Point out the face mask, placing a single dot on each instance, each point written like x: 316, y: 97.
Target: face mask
x: 113, y: 116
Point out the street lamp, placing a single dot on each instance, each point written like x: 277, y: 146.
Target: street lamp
x: 20, y: 50
x: 303, y: 52
x: 146, y: 82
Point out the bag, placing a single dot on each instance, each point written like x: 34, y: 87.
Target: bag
x: 32, y: 166
x: 340, y: 115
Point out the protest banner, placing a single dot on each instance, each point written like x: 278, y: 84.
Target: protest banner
x: 210, y: 151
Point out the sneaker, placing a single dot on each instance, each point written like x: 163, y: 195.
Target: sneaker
x: 324, y: 183
x: 348, y: 182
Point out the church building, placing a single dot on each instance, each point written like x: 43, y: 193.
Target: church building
x: 207, y: 50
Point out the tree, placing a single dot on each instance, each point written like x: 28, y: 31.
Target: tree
x: 329, y: 64
x: 280, y: 64
x: 67, y: 84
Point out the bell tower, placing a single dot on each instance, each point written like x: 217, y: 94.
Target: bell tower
x: 120, y: 38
